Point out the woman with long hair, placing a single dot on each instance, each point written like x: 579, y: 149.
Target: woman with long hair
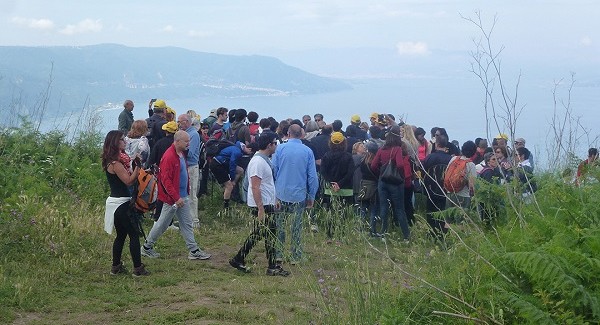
x: 136, y: 142
x: 116, y: 164
x: 391, y: 150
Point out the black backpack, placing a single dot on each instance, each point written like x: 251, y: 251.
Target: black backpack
x: 213, y: 147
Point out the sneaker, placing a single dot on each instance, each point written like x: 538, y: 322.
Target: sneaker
x: 140, y: 271
x: 314, y: 228
x: 149, y: 252
x: 199, y: 255
x: 277, y: 270
x: 239, y: 265
x: 118, y: 269
x: 173, y: 227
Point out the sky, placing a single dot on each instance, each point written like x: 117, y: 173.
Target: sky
x: 544, y: 40
x: 556, y: 29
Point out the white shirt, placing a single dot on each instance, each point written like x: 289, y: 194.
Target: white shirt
x: 260, y: 168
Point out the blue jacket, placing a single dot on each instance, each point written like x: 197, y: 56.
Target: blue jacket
x: 230, y: 155
x: 295, y: 172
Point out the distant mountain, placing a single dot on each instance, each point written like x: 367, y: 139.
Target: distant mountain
x: 108, y: 71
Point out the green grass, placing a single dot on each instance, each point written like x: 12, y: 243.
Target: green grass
x: 538, y: 263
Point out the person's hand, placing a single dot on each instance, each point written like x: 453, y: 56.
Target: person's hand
x: 310, y: 203
x: 179, y: 203
x: 261, y: 214
x: 335, y: 187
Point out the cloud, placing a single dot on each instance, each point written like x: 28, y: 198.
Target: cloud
x: 412, y: 48
x: 199, y: 34
x: 168, y: 29
x: 586, y: 41
x: 42, y: 24
x: 84, y: 26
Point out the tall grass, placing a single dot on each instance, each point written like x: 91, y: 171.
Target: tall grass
x: 538, y: 263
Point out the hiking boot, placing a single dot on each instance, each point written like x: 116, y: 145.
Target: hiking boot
x: 149, y: 252
x: 140, y: 271
x: 199, y: 255
x: 277, y: 270
x: 118, y: 269
x: 239, y: 265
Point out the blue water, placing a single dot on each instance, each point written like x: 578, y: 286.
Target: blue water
x: 456, y: 104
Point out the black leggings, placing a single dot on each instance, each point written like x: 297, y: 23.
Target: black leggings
x: 124, y: 227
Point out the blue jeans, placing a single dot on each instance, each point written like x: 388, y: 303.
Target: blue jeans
x: 295, y: 210
x: 395, y: 193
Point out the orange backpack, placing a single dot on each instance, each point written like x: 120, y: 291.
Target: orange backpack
x: 455, y: 177
x: 145, y: 191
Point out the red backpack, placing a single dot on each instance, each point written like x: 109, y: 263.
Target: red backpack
x: 253, y: 131
x: 455, y: 177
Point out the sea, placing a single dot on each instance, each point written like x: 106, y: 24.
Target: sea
x: 457, y: 104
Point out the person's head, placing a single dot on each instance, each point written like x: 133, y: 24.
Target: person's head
x: 358, y: 148
x: 181, y: 140
x: 490, y: 159
x: 184, y: 122
x: 393, y: 138
x: 296, y: 121
x: 192, y: 113
x: 204, y: 128
x: 267, y: 142
x: 294, y: 131
x: 482, y: 144
x: 114, y: 144
x: 240, y: 115
x: 311, y: 126
x: 160, y: 107
x: 372, y: 147
x: 170, y: 128
x: 441, y: 135
x: 274, y: 125
x: 138, y: 128
x: 355, y: 119
x: 337, y: 142
x: 306, y: 119
x: 501, y: 140
x: 231, y: 116
x: 252, y: 117
x: 364, y: 126
x: 318, y: 117
x: 170, y: 114
x: 523, y: 153
x: 337, y: 126
x: 519, y: 143
x: 222, y: 113
x: 327, y: 130
x: 420, y: 134
x: 283, y: 126
x: 468, y: 149
x: 433, y: 131
x: 592, y: 154
x: 501, y: 153
x: 128, y: 105
x: 373, y: 118
x: 264, y: 123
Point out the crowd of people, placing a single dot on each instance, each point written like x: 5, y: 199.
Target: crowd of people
x: 280, y: 168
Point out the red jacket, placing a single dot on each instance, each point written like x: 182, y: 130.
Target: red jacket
x: 168, y: 187
x: 382, y: 157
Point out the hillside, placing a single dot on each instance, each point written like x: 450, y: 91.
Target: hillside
x: 105, y: 71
